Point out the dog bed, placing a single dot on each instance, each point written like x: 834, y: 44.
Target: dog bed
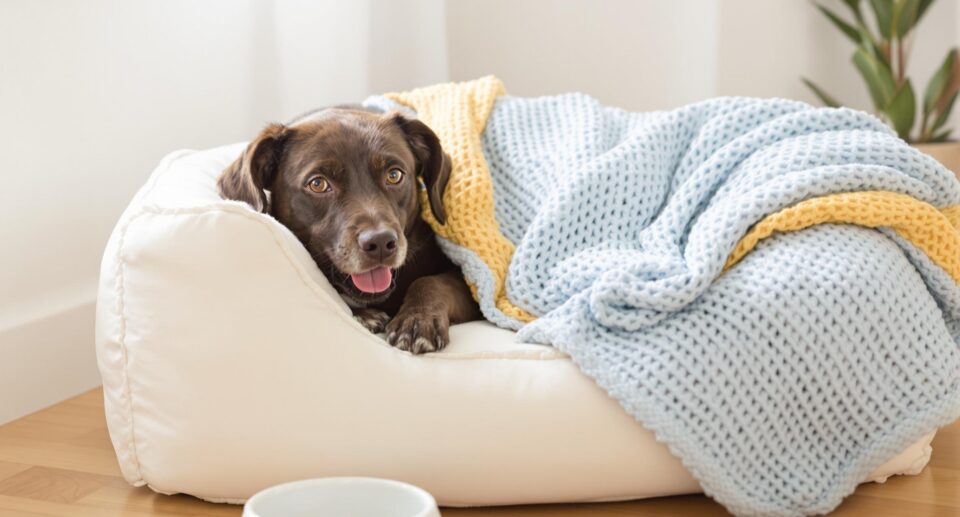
x: 230, y: 364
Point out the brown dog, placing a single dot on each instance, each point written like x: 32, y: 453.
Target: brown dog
x: 344, y: 181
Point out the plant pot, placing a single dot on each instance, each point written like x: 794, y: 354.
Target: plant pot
x: 947, y: 153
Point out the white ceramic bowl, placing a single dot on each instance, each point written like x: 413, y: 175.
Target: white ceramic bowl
x: 342, y: 497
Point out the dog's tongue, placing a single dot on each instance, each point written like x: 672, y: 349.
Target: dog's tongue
x: 373, y: 281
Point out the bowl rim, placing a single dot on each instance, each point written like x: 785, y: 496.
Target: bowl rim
x: 430, y: 504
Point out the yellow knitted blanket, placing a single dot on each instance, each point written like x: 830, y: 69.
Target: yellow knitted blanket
x: 458, y: 113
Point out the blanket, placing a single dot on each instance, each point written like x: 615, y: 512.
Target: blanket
x: 771, y: 288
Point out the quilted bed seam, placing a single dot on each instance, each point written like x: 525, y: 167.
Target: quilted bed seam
x: 120, y: 309
x: 122, y: 342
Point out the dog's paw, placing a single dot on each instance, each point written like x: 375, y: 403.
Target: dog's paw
x: 419, y: 332
x: 373, y: 320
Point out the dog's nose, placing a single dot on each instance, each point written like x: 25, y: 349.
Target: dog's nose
x: 378, y: 244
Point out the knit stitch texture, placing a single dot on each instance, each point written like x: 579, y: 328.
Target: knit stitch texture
x: 690, y: 262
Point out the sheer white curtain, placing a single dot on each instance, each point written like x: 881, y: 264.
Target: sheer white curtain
x: 94, y: 93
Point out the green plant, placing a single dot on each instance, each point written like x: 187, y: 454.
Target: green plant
x: 881, y: 58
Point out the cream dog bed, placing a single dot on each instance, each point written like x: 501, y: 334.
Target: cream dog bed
x: 230, y: 364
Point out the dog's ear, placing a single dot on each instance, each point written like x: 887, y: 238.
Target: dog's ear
x: 432, y: 163
x: 247, y: 178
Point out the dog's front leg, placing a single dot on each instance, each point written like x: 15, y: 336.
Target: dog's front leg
x: 431, y: 304
x: 373, y: 320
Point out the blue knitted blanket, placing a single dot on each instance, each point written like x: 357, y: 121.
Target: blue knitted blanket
x: 781, y: 382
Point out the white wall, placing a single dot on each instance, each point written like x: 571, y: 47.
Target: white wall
x: 637, y: 54
x: 94, y: 93
x: 656, y: 54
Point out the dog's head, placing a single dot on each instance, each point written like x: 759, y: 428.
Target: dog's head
x: 345, y: 182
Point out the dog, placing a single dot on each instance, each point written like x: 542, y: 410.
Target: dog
x: 345, y: 181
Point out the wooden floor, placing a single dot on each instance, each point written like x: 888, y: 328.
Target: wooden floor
x: 59, y: 461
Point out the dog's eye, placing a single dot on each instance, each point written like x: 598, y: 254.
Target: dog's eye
x: 319, y: 185
x: 394, y: 176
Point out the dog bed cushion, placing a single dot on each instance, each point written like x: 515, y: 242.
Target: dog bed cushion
x: 230, y: 364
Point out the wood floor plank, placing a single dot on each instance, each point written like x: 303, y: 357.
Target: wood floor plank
x: 95, y: 439
x: 946, y: 447
x: 123, y: 498
x: 23, y: 507
x: 661, y: 507
x: 861, y: 506
x: 50, y: 484
x: 8, y: 469
x: 933, y: 484
x: 71, y: 441
x: 59, y: 455
x: 40, y: 430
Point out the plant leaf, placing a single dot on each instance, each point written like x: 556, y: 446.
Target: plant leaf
x: 944, y: 113
x: 877, y: 76
x: 883, y: 10
x: 902, y: 110
x: 825, y: 98
x: 849, y: 30
x: 937, y: 87
x: 905, y: 16
x: 953, y: 83
x: 941, y: 137
x: 922, y: 8
x: 854, y: 6
x: 867, y: 42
